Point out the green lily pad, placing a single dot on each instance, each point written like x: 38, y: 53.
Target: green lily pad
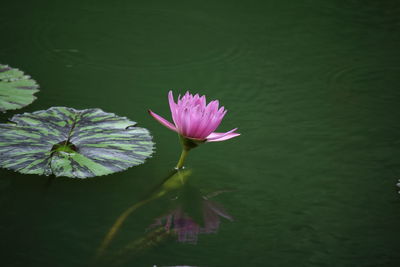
x: 16, y: 89
x: 73, y: 143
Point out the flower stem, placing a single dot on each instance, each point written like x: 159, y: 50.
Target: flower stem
x: 181, y: 161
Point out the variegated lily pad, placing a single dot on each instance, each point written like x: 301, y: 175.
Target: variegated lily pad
x: 73, y: 143
x: 16, y: 89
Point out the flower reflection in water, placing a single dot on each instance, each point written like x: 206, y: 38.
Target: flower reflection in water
x: 191, y: 214
x: 173, y: 182
x: 187, y: 228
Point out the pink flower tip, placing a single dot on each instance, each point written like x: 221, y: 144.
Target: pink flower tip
x: 195, y: 119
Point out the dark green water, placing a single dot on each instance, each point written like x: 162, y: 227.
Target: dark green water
x: 312, y: 85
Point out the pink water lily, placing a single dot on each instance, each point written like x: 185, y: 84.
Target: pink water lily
x: 195, y: 122
x: 194, y: 119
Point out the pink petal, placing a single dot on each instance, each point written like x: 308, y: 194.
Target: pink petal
x: 226, y: 137
x: 171, y: 101
x: 214, y: 122
x: 184, y: 121
x: 217, y: 137
x: 173, y: 107
x: 163, y: 121
x: 208, y: 122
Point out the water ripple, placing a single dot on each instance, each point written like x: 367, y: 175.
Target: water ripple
x: 150, y: 39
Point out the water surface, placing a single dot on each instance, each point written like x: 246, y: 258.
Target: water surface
x: 312, y: 86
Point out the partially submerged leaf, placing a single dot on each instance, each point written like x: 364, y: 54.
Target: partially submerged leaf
x: 73, y: 143
x: 16, y: 89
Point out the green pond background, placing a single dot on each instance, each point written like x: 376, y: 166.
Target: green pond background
x: 312, y: 85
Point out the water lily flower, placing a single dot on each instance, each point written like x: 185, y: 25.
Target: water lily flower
x: 195, y: 121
